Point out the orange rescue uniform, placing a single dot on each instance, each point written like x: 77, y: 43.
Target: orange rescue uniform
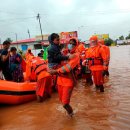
x: 44, y: 79
x: 97, y: 62
x: 66, y: 79
x: 107, y: 50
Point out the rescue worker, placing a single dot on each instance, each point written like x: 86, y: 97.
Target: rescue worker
x: 107, y: 50
x: 81, y: 50
x: 66, y: 77
x: 97, y: 62
x: 55, y: 57
x: 85, y: 72
x: 30, y: 76
x: 44, y: 79
x: 28, y: 53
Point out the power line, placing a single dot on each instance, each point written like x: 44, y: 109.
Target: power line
x: 93, y: 13
x: 15, y: 21
x: 12, y: 13
x: 3, y: 20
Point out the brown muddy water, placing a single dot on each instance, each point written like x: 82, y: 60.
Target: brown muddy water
x: 94, y: 111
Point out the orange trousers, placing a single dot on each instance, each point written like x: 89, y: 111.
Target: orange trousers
x: 98, y: 77
x: 65, y: 93
x: 44, y: 85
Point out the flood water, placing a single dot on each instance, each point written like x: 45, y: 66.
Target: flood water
x: 93, y: 110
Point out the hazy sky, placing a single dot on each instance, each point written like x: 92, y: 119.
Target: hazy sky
x: 86, y: 16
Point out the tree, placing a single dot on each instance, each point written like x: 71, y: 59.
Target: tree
x: 9, y: 39
x: 121, y: 37
x: 128, y: 37
x: 108, y: 42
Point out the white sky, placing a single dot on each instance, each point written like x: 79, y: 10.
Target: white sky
x: 86, y: 16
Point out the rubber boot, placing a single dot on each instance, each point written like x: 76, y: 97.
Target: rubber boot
x: 107, y: 73
x: 69, y: 109
x: 89, y: 81
x: 39, y: 98
x: 97, y: 87
x: 101, y: 88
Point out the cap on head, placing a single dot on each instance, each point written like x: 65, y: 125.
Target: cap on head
x: 93, y: 38
x: 93, y: 41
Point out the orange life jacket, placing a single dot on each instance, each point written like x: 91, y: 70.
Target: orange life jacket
x: 97, y: 58
x: 39, y: 66
x: 70, y: 65
x: 107, y: 50
x: 66, y: 76
x: 80, y: 48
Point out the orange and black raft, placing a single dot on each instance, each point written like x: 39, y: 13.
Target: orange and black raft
x: 16, y: 93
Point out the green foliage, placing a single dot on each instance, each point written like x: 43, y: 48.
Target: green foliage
x: 108, y: 42
x: 128, y: 37
x: 121, y: 37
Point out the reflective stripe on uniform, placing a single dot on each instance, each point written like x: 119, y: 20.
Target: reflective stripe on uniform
x: 63, y: 69
x: 69, y: 67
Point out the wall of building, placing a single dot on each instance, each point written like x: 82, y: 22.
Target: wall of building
x: 19, y: 46
x: 30, y: 45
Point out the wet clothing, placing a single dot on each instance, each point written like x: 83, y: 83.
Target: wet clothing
x: 43, y: 86
x: 65, y: 93
x: 54, y: 54
x: 66, y: 79
x: 16, y: 68
x: 29, y: 75
x: 5, y: 66
x: 44, y: 79
x: 97, y: 62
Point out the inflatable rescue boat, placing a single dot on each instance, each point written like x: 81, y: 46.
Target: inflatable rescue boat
x: 17, y: 93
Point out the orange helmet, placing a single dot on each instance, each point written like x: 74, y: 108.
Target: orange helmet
x: 93, y: 41
x: 93, y: 38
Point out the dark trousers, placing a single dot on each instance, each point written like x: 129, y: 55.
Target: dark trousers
x: 7, y: 74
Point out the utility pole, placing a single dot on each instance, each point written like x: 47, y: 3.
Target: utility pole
x: 29, y: 34
x: 38, y: 18
x: 16, y: 39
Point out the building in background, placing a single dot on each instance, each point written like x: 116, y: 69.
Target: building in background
x: 1, y: 46
x: 102, y: 36
x: 37, y: 44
